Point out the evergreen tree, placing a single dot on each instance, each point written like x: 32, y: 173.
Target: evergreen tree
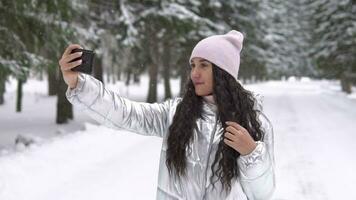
x: 33, y: 34
x: 335, y: 38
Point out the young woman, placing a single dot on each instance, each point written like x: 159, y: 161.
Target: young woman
x: 217, y: 143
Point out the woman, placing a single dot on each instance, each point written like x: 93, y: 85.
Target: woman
x: 217, y: 144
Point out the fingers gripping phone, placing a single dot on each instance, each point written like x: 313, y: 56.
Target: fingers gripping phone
x: 87, y: 61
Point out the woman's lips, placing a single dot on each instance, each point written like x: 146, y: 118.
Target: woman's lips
x: 198, y: 83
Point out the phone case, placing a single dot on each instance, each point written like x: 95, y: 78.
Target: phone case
x: 87, y: 61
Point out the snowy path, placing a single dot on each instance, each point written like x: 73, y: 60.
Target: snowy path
x: 314, y: 140
x: 97, y: 164
x: 37, y: 117
x: 313, y: 124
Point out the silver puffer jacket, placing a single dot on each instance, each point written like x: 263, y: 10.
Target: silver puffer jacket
x: 257, y: 178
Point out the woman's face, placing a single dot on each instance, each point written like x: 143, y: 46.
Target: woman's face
x: 202, y: 76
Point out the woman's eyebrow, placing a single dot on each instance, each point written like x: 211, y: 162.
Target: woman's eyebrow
x: 202, y: 60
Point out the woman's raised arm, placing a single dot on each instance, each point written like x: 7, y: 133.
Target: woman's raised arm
x: 112, y: 110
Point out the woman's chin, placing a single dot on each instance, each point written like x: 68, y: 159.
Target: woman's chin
x: 201, y: 93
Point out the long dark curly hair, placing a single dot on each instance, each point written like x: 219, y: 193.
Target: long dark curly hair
x: 234, y: 103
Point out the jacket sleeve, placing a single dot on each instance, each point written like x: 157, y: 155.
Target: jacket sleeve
x: 109, y: 109
x: 257, y: 174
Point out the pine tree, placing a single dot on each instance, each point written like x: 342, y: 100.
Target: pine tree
x: 287, y: 38
x: 33, y: 34
x: 334, y: 36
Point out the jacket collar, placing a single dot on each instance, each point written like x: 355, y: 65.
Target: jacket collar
x: 209, y: 104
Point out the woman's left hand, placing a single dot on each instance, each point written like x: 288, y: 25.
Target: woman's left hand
x: 238, y: 138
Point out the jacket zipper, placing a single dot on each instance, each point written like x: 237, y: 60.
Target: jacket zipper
x: 209, y: 152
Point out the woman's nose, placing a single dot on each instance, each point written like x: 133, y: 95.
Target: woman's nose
x: 195, y: 73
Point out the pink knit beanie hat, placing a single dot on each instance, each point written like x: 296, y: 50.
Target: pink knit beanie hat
x: 222, y: 50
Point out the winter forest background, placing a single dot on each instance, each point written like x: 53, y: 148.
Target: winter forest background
x: 142, y: 50
x: 283, y: 38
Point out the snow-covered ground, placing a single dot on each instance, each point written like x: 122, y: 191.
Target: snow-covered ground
x: 313, y: 123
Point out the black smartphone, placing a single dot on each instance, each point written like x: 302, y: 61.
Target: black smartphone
x: 87, y: 61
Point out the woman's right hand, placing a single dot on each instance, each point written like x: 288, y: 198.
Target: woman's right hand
x: 70, y: 77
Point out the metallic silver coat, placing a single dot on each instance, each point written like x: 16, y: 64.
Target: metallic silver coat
x: 257, y: 178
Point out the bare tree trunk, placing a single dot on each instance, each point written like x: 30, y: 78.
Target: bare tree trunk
x: 64, y: 108
x: 19, y: 95
x: 98, y: 69
x: 2, y: 88
x: 123, y: 64
x: 183, y: 79
x: 128, y: 76
x: 153, y: 66
x: 184, y: 68
x: 166, y: 69
x: 52, y: 81
x: 152, y: 87
x: 119, y: 70
x: 112, y: 73
x: 167, y: 85
x: 345, y: 84
x: 136, y: 77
